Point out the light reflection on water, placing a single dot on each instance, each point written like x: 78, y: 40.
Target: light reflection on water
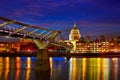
x: 22, y: 68
x: 95, y: 69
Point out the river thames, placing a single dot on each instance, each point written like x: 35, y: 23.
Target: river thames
x: 22, y: 68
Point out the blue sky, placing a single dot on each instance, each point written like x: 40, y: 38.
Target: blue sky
x: 93, y: 17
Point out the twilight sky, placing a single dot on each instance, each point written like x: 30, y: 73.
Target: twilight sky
x: 93, y: 17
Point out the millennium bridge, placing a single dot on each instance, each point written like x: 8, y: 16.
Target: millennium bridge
x: 41, y: 37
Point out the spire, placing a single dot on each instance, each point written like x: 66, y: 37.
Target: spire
x: 74, y: 25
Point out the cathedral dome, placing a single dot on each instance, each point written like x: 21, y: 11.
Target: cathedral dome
x: 74, y: 34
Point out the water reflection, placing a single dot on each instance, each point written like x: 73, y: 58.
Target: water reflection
x: 94, y: 69
x: 7, y: 63
x: 115, y: 67
x: 22, y: 68
x: 42, y: 75
x: 13, y: 68
x: 83, y: 68
x: 27, y: 74
x: 17, y: 63
x: 17, y: 74
x: 28, y: 63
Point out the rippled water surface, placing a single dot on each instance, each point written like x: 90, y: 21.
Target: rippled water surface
x: 22, y: 68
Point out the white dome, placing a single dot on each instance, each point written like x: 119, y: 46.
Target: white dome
x: 74, y: 34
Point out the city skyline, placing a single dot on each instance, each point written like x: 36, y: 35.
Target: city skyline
x: 93, y: 18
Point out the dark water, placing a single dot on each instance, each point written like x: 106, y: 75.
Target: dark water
x: 22, y: 68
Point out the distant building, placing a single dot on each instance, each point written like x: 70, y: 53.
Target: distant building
x: 97, y: 46
x: 101, y: 45
x: 102, y: 38
x: 74, y: 34
x: 88, y: 38
x: 20, y: 45
x: 92, y: 47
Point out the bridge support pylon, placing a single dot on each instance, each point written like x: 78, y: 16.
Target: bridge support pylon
x: 42, y: 62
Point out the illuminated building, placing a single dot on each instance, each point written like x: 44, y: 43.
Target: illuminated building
x: 21, y: 45
x: 9, y: 46
x: 92, y: 47
x: 97, y: 46
x: 74, y: 34
x: 27, y: 45
x: 73, y: 37
x: 81, y: 45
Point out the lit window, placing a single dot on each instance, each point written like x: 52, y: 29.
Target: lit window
x: 1, y: 44
x: 12, y: 45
